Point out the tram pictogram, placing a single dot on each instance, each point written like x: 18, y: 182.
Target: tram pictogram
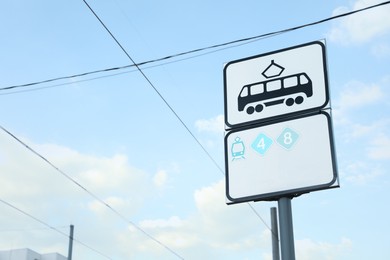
x: 290, y: 90
x: 238, y: 149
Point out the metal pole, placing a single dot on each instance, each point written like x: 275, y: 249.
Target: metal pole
x: 286, y: 229
x: 70, y: 249
x: 275, y: 234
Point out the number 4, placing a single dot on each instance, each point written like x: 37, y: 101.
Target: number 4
x: 261, y: 144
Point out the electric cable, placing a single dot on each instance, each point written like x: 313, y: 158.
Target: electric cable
x: 51, y: 227
x: 165, y: 101
x: 137, y: 65
x: 181, y: 54
x: 95, y: 197
x: 112, y: 75
x: 241, y: 41
x: 101, y: 201
x: 154, y: 88
x: 182, y: 122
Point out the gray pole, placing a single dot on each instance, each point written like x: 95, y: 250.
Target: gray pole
x: 70, y: 249
x: 286, y: 229
x: 275, y: 234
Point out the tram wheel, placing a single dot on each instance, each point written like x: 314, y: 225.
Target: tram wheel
x: 259, y: 108
x: 290, y: 102
x: 250, y: 110
x: 299, y: 100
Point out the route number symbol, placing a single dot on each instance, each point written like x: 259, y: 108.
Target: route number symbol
x: 262, y: 143
x: 287, y: 138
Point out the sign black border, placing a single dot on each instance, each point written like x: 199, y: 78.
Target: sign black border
x: 285, y: 193
x: 263, y: 120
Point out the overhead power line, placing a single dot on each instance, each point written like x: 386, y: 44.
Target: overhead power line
x: 51, y: 227
x: 154, y: 88
x: 101, y: 201
x: 239, y: 41
x: 169, y: 57
x: 168, y: 105
x: 137, y: 65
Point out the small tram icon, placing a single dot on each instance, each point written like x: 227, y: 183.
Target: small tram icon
x: 238, y: 149
x: 290, y: 90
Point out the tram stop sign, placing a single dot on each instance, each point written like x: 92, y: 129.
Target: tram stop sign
x: 275, y: 84
x: 279, y: 134
x: 285, y: 158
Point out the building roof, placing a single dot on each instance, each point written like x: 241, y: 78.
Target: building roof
x: 28, y: 254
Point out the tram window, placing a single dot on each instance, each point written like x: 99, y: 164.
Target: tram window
x: 290, y: 82
x: 304, y: 79
x: 244, y: 92
x: 257, y: 89
x: 274, y: 85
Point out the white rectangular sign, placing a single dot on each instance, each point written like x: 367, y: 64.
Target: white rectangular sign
x: 280, y: 159
x: 276, y: 84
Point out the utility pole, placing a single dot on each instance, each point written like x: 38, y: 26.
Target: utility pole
x: 70, y: 248
x: 286, y: 229
x: 275, y: 234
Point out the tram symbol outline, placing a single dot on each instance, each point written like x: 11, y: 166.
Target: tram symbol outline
x: 275, y: 90
x: 238, y: 149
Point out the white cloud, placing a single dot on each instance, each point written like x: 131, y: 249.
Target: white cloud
x: 363, y: 133
x: 114, y: 202
x: 357, y: 94
x: 212, y: 228
x: 213, y: 125
x: 381, y: 50
x: 361, y: 173
x: 359, y: 130
x: 30, y: 184
x: 107, y: 174
x: 173, y: 221
x: 307, y: 249
x: 361, y: 122
x: 361, y: 27
x: 125, y: 189
x: 160, y: 178
x: 178, y: 239
x: 380, y: 148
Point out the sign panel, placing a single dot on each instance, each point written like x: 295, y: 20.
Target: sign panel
x: 276, y: 84
x: 281, y: 159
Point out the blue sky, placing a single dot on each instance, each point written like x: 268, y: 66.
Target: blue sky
x: 115, y: 136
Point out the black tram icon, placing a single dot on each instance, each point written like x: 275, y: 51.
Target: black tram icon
x: 288, y: 90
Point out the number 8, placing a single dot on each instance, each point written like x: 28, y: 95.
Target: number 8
x: 287, y: 138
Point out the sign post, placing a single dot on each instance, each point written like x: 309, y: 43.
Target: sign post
x: 286, y: 229
x: 279, y: 137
